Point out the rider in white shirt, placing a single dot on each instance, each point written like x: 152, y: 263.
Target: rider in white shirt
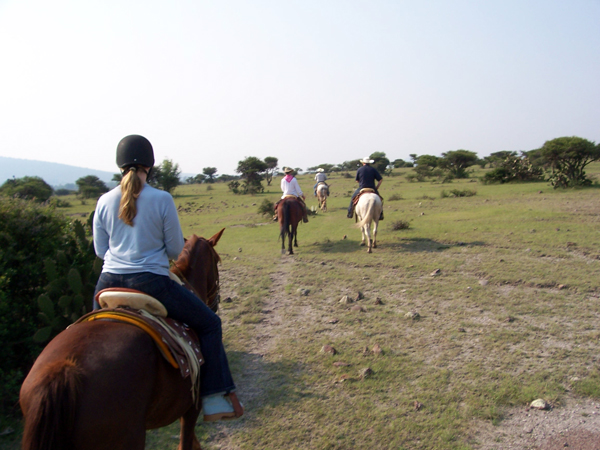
x: 290, y: 186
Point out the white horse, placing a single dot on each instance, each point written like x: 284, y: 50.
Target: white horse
x: 322, y: 194
x: 368, y: 209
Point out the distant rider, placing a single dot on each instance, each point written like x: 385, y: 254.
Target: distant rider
x: 290, y: 186
x: 320, y: 177
x: 366, y: 177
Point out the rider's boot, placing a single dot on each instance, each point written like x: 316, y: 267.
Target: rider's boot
x: 221, y: 407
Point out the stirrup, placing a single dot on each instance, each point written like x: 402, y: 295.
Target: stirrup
x: 238, y: 410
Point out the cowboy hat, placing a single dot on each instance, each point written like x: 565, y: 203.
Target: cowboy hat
x: 367, y: 160
x: 287, y: 170
x: 320, y: 169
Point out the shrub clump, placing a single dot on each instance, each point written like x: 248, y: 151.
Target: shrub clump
x: 400, y: 225
x: 395, y: 197
x: 458, y: 193
x: 35, y: 238
x: 514, y: 169
x: 266, y: 207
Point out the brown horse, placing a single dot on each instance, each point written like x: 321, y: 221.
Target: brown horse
x: 322, y: 194
x: 289, y: 214
x: 102, y: 384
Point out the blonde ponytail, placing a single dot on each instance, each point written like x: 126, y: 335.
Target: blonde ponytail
x: 131, y: 186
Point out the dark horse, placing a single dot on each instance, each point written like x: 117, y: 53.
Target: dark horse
x: 102, y: 384
x: 289, y: 214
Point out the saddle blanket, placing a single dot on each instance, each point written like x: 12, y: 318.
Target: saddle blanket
x: 365, y: 191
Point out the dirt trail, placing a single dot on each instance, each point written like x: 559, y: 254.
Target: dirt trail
x: 574, y: 425
x: 255, y: 374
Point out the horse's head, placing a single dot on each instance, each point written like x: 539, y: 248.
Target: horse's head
x: 197, y: 266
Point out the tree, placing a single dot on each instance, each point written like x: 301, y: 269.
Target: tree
x: 209, y: 172
x: 250, y: 170
x: 399, y: 163
x: 91, y: 186
x: 496, y: 159
x: 117, y: 178
x: 568, y: 157
x: 351, y: 165
x: 271, y: 163
x: 457, y: 162
x: 30, y: 188
x: 380, y: 162
x: 428, y: 160
x: 197, y: 179
x: 414, y: 157
x: 166, y: 176
x: 326, y: 167
x: 427, y: 167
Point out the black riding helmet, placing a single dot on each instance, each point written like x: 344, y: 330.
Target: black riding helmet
x: 134, y: 150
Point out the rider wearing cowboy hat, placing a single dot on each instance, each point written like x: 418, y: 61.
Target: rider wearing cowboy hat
x: 290, y: 186
x: 320, y: 177
x: 366, y: 177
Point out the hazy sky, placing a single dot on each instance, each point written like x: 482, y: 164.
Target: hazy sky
x: 307, y: 81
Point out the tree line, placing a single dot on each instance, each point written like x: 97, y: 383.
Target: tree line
x: 561, y: 162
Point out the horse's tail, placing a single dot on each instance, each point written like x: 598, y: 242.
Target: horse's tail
x: 365, y: 220
x: 285, y: 226
x: 372, y: 214
x: 51, y: 408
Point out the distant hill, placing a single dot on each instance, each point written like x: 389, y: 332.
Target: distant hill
x: 55, y: 174
x: 52, y: 173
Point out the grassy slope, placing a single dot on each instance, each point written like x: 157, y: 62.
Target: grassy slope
x: 512, y: 316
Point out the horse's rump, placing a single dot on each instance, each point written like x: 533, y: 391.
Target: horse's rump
x: 369, y: 209
x: 364, y: 191
x: 50, y: 406
x: 177, y: 343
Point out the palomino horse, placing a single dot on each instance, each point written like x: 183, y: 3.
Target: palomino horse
x: 289, y: 214
x: 368, y: 209
x: 102, y: 384
x: 322, y: 194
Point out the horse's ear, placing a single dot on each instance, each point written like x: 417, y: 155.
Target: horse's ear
x: 213, y: 240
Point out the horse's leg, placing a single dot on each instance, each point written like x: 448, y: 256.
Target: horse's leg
x: 295, y: 233
x: 375, y: 225
x: 369, y: 240
x: 362, y: 232
x: 188, y: 440
x: 290, y: 239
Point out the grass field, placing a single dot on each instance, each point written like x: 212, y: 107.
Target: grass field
x: 511, y: 315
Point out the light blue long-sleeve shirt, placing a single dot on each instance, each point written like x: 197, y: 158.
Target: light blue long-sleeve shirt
x: 147, y: 246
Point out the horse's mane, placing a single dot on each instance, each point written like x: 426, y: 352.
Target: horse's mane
x: 191, y: 251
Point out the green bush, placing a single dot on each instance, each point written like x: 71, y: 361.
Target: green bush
x: 266, y: 208
x: 458, y: 193
x: 32, y: 188
x: 31, y: 234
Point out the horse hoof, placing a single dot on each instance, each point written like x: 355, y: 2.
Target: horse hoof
x: 362, y: 244
x: 374, y: 245
x: 369, y: 251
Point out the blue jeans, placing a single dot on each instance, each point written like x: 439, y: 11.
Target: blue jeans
x: 183, y: 306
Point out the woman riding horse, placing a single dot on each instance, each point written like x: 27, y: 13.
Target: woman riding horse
x: 136, y: 232
x: 290, y: 187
